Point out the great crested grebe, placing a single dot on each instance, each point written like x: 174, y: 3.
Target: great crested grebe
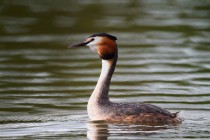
x: 100, y: 107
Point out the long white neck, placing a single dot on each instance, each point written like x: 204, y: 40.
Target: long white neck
x: 100, y: 93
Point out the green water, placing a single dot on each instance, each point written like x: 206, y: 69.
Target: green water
x: 164, y: 59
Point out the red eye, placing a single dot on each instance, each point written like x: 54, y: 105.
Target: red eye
x: 92, y: 39
x: 89, y: 40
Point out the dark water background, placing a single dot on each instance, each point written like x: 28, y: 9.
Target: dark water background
x: 164, y: 59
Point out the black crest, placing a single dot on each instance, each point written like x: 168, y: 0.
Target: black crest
x: 104, y: 34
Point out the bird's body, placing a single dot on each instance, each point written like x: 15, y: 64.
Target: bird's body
x: 101, y: 108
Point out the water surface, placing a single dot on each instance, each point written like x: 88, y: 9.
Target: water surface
x: 164, y: 59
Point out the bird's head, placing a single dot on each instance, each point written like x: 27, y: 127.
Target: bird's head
x: 103, y: 43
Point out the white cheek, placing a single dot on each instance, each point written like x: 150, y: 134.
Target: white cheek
x: 94, y: 44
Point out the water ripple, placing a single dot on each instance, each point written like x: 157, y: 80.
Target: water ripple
x: 163, y: 59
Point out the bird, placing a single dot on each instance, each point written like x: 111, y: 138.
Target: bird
x: 99, y: 105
